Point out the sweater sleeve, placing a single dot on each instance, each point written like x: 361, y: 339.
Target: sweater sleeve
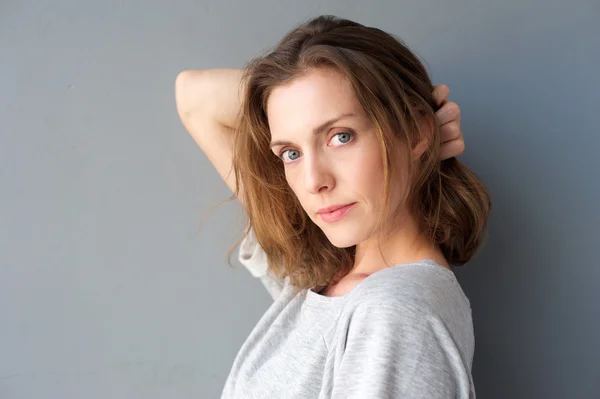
x: 253, y: 257
x: 400, y: 352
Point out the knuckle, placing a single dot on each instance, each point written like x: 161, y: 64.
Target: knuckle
x: 453, y: 130
x: 453, y: 108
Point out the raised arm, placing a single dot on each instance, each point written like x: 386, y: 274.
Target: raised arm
x: 208, y: 103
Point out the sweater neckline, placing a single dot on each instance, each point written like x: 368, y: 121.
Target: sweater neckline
x: 315, y: 299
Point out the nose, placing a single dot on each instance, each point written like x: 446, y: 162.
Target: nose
x: 318, y: 176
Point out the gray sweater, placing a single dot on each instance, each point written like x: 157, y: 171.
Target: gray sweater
x: 403, y: 332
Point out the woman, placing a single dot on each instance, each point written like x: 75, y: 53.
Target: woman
x: 353, y: 222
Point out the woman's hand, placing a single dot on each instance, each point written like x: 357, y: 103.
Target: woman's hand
x: 451, y: 137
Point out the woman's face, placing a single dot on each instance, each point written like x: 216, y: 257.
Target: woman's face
x: 331, y: 154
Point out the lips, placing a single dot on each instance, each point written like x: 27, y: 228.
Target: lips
x: 337, y: 214
x: 333, y: 208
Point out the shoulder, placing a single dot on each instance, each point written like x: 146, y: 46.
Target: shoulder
x: 414, y: 289
x: 406, y: 329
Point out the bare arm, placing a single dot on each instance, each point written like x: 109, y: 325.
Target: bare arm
x: 208, y: 103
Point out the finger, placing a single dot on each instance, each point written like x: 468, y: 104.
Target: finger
x: 452, y: 149
x: 449, y: 112
x: 450, y: 131
x: 440, y: 93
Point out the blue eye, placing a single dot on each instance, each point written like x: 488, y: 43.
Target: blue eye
x: 344, y: 137
x: 292, y: 151
x: 341, y: 134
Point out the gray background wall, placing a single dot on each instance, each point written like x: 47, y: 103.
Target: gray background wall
x: 106, y: 290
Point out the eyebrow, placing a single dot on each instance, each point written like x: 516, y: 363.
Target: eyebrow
x: 316, y: 131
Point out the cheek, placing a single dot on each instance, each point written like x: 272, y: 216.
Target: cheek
x: 368, y: 175
x: 295, y: 185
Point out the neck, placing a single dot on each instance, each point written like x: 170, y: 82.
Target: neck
x: 407, y: 244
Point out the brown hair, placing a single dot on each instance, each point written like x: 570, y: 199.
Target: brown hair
x: 447, y: 199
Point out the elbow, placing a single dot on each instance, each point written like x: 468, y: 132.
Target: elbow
x: 187, y: 91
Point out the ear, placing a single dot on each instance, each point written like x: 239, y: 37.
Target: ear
x: 420, y: 146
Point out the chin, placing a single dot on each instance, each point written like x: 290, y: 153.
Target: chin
x: 344, y: 239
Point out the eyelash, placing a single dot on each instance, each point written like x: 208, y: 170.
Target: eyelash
x: 351, y: 134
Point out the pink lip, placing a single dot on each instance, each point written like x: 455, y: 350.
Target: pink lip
x: 336, y: 212
x: 331, y: 208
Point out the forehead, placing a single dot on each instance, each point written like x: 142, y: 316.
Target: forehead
x: 309, y: 100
